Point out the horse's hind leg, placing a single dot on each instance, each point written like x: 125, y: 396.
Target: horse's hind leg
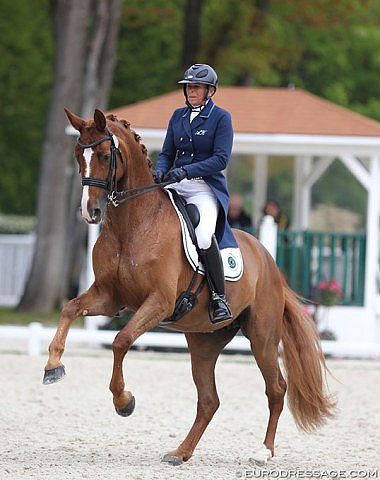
x: 264, y: 339
x: 204, y: 349
x: 92, y: 302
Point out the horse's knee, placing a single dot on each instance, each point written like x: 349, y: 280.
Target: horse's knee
x: 72, y: 308
x: 207, y: 406
x: 122, y: 342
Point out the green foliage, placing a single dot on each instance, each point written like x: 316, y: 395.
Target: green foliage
x: 17, y: 224
x: 9, y: 316
x: 25, y: 80
x: 148, y: 51
x: 329, y: 47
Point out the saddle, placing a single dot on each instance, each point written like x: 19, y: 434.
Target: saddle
x: 190, y: 214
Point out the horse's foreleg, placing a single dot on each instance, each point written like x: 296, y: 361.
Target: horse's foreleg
x: 149, y: 315
x: 92, y: 302
x: 204, y: 349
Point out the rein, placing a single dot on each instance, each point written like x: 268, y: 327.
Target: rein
x: 113, y: 195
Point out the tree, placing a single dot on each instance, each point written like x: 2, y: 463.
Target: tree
x: 25, y: 77
x: 85, y: 39
x: 191, y: 32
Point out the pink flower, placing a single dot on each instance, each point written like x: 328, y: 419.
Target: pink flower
x: 330, y: 292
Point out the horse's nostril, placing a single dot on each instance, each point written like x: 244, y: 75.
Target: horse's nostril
x: 97, y: 214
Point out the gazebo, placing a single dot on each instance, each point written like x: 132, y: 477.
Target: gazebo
x: 293, y: 122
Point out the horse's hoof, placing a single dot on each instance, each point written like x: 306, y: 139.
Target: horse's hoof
x: 261, y: 456
x: 128, y: 409
x: 172, y: 460
x: 54, y: 375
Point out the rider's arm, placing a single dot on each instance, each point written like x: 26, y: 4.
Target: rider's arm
x: 167, y: 156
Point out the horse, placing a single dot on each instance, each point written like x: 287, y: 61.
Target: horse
x: 139, y: 264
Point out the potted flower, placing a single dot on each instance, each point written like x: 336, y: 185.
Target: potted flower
x: 329, y: 293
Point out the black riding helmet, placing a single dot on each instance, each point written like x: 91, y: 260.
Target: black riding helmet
x: 200, y: 73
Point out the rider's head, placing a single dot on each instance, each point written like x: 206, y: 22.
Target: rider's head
x: 199, y: 84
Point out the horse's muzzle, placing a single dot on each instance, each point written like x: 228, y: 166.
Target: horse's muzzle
x: 95, y: 214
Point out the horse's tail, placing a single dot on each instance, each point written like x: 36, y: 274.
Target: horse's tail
x: 306, y: 369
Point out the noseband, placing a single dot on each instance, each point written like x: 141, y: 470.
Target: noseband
x: 110, y: 185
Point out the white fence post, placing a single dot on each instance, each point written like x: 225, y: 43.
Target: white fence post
x: 35, y: 338
x: 16, y: 254
x: 268, y: 234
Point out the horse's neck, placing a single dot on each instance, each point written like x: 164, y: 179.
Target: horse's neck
x: 134, y: 216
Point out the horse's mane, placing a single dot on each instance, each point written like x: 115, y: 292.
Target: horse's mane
x: 136, y: 136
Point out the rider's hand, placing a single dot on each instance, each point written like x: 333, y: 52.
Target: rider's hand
x: 176, y: 175
x: 158, y: 176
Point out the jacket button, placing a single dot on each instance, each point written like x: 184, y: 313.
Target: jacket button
x: 181, y: 139
x: 192, y: 155
x: 183, y: 153
x: 191, y: 139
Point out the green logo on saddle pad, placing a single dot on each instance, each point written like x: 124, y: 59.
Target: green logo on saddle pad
x: 231, y: 262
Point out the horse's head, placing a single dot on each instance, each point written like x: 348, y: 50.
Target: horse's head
x: 101, y: 163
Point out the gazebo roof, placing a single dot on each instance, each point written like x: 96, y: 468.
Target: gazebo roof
x: 261, y: 111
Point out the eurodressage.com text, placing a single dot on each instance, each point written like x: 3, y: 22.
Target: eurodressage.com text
x: 300, y: 473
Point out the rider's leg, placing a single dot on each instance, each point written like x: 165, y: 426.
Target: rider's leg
x: 211, y: 258
x: 201, y: 195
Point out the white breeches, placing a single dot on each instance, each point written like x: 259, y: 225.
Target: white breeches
x: 201, y: 195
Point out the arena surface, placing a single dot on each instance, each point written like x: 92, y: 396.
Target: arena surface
x: 70, y: 430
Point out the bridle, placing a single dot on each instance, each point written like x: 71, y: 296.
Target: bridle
x: 110, y: 185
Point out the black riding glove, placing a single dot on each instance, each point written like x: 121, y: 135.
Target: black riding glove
x: 158, y: 176
x: 176, y: 175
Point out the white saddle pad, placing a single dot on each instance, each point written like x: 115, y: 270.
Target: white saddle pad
x: 232, y: 258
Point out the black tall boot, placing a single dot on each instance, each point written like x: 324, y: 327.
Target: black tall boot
x: 212, y: 260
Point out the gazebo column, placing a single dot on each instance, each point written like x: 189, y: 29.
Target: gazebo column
x: 370, y: 179
x: 372, y: 247
x: 301, y: 192
x: 260, y: 182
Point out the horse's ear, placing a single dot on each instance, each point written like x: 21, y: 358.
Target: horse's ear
x: 100, y: 120
x: 77, y: 122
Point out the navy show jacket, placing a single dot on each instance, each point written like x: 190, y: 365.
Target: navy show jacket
x: 203, y: 148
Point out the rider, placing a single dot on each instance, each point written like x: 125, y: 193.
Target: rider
x: 195, y: 152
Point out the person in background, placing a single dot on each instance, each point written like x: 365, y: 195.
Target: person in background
x: 273, y: 209
x: 237, y: 218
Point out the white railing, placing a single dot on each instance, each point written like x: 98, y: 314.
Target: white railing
x: 16, y: 255
x: 37, y: 336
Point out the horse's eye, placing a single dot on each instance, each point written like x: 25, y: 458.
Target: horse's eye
x: 106, y: 157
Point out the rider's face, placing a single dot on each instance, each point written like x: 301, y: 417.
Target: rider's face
x: 196, y: 93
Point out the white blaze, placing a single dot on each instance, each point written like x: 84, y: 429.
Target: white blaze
x: 87, y: 156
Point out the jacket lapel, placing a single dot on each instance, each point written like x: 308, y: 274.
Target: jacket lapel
x: 186, y: 122
x: 203, y: 115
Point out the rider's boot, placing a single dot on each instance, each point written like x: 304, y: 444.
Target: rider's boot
x: 212, y: 260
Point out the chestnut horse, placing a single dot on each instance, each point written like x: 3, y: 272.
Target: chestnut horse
x: 139, y: 263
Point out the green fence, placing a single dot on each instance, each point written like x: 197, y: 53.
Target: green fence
x: 306, y: 258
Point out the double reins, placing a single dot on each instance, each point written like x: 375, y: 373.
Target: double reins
x: 110, y: 185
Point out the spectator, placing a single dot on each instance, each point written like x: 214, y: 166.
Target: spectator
x: 237, y: 218
x: 273, y: 209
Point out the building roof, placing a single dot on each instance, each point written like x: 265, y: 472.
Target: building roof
x: 261, y: 111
